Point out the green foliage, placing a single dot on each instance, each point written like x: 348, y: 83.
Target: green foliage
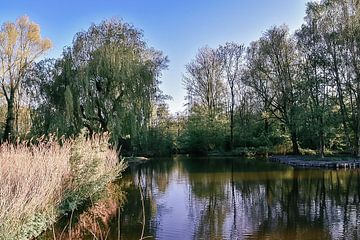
x: 107, y: 81
x: 285, y: 93
x: 244, y: 151
x: 90, y: 172
x: 36, y: 224
x: 161, y: 142
x: 69, y: 102
x: 204, y: 133
x: 310, y: 152
x: 292, y: 90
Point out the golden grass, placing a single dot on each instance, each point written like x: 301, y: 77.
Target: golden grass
x: 37, y: 183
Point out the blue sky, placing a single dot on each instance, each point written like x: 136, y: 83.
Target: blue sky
x: 177, y: 27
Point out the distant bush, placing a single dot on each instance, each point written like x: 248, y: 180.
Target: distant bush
x: 245, y: 151
x: 328, y: 152
x: 307, y: 151
x: 283, y: 148
x: 204, y: 134
x: 262, y: 150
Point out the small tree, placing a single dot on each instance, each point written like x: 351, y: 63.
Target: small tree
x: 20, y: 44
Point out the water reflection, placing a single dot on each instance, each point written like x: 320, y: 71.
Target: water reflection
x: 242, y: 199
x: 93, y: 222
x: 224, y: 198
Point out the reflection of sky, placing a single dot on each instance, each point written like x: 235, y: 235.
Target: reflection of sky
x: 173, y: 211
x: 176, y: 216
x: 183, y: 211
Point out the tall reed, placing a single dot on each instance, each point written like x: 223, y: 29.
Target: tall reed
x: 40, y: 182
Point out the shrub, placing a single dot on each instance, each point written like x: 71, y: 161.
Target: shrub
x: 41, y: 182
x: 307, y: 151
x: 245, y: 151
x: 93, y: 165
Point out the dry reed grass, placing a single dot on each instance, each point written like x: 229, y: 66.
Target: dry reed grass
x: 38, y: 182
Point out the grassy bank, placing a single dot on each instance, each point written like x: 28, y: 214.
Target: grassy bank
x: 41, y: 182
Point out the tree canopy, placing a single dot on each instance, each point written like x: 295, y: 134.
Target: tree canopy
x: 284, y: 92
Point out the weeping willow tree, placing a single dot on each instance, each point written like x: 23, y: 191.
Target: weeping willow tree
x: 107, y: 81
x: 118, y: 79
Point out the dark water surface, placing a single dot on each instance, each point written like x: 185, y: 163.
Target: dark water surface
x: 226, y: 198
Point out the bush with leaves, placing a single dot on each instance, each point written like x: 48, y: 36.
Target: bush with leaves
x: 41, y: 182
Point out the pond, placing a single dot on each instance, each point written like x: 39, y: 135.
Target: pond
x: 226, y: 198
x: 234, y: 198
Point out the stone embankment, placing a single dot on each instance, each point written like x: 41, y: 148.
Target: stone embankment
x: 305, y: 162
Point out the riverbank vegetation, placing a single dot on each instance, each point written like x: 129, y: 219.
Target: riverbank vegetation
x: 40, y: 183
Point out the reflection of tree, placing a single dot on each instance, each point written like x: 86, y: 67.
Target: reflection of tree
x: 212, y: 219
x: 228, y: 199
x: 159, y: 171
x: 132, y: 215
x: 153, y: 177
x: 212, y: 209
x: 236, y: 199
x: 95, y: 222
x: 312, y: 203
x: 302, y: 205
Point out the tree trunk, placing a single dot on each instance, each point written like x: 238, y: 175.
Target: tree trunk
x: 321, y: 139
x: 358, y: 147
x: 266, y: 128
x: 341, y: 100
x: 232, y: 119
x: 357, y: 117
x: 358, y: 124
x: 322, y: 147
x: 10, y: 117
x: 295, y: 145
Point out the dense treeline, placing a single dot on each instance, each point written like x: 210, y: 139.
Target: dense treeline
x: 284, y: 92
x: 300, y: 90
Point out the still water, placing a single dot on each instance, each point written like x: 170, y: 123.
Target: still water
x: 229, y: 198
x: 225, y: 198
